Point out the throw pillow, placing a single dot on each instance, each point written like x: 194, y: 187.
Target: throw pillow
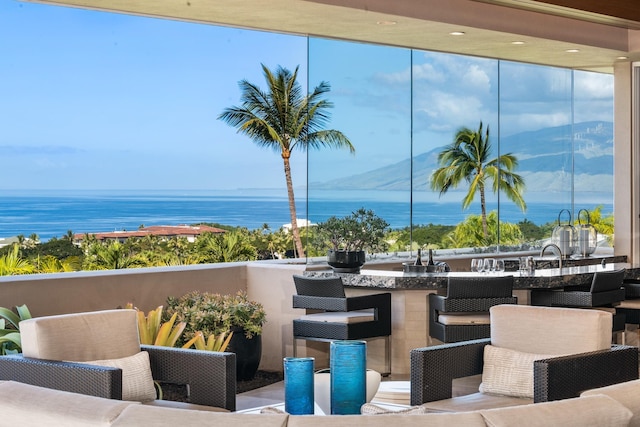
x: 508, y: 372
x: 137, y: 382
x: 371, y: 409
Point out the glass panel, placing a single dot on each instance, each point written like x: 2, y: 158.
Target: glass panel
x: 593, y: 153
x: 451, y: 93
x: 535, y: 126
x: 371, y: 94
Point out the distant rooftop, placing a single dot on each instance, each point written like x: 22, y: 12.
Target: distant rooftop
x: 190, y: 232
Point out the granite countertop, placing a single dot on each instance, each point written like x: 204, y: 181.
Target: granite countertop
x: 547, y: 278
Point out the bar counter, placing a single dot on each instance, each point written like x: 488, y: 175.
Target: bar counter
x: 547, y: 278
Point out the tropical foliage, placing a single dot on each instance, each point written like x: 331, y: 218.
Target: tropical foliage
x: 469, y: 233
x: 468, y: 159
x: 153, y: 332
x: 213, y: 343
x: 10, y: 342
x: 284, y: 119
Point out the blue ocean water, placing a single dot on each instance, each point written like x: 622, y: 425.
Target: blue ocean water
x: 52, y: 213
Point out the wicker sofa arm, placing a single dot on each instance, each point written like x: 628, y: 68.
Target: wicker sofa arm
x: 93, y: 380
x: 211, y: 375
x: 434, y: 368
x: 567, y: 376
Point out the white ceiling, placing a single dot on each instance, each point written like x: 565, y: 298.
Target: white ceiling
x: 490, y: 28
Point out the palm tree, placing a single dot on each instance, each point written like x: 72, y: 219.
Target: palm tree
x: 467, y: 158
x: 283, y: 119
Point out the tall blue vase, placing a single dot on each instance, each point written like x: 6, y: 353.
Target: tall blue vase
x: 348, y: 363
x: 298, y: 385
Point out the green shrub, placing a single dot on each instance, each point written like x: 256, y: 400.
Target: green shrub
x: 214, y: 314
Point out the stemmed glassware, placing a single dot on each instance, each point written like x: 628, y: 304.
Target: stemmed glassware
x: 476, y: 265
x: 488, y: 265
x: 499, y: 265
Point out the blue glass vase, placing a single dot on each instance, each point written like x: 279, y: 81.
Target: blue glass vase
x: 348, y: 364
x: 298, y: 385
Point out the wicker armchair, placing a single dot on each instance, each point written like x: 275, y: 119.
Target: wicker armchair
x: 340, y: 317
x: 463, y: 314
x: 50, y: 344
x: 581, y: 339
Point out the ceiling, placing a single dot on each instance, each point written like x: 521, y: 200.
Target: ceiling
x: 598, y: 33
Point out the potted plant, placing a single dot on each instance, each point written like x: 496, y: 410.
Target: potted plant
x: 348, y: 238
x: 215, y: 314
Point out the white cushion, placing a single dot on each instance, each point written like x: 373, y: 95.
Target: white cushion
x: 137, y: 382
x: 590, y: 411
x: 356, y: 316
x: 550, y: 330
x: 86, y: 336
x: 28, y: 405
x: 508, y: 372
x: 626, y: 393
x: 464, y: 319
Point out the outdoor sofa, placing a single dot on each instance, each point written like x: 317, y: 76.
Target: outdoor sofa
x: 33, y: 406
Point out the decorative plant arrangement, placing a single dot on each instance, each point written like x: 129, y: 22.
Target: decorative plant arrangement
x: 348, y: 238
x: 10, y: 342
x: 153, y: 332
x: 216, y: 314
x: 362, y: 230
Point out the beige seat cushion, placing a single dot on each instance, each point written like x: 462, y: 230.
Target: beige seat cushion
x: 28, y: 405
x: 591, y: 411
x: 86, y: 336
x: 356, y: 316
x: 464, y: 319
x: 428, y: 420
x: 137, y: 381
x: 550, y: 330
x: 145, y: 415
x: 475, y: 402
x: 626, y: 393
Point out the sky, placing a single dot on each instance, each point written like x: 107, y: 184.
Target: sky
x: 95, y: 100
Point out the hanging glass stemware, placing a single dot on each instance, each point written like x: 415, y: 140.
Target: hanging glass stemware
x: 587, y: 235
x: 564, y: 235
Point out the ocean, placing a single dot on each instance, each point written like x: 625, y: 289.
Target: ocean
x: 52, y: 213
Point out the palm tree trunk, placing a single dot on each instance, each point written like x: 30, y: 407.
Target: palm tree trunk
x: 292, y: 206
x: 483, y: 207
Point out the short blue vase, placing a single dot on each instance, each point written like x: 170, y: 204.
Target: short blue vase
x: 348, y: 364
x: 298, y: 385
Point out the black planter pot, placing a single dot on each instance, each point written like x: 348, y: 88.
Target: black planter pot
x: 346, y: 261
x: 248, y: 353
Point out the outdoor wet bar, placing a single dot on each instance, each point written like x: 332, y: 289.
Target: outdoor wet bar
x: 410, y: 297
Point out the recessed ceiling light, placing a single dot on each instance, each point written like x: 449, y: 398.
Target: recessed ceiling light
x: 517, y: 42
x: 572, y: 50
x: 387, y: 22
x: 457, y: 33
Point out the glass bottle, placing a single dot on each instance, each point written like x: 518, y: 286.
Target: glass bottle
x: 418, y: 260
x: 430, y: 262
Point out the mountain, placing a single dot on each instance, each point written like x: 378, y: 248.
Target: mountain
x: 544, y: 161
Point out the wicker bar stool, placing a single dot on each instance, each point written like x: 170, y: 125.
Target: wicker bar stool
x: 463, y: 314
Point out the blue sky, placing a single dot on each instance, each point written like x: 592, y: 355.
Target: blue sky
x: 93, y: 100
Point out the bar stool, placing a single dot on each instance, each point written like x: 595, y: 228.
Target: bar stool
x: 463, y: 314
x: 340, y: 317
